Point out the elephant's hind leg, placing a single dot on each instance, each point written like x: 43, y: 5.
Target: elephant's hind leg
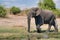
x: 55, y: 26
x: 49, y: 27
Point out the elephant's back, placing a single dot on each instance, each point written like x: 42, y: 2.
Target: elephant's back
x: 47, y: 14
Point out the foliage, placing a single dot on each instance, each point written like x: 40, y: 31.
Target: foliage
x: 15, y: 10
x: 57, y: 13
x: 2, y: 11
x: 24, y: 12
x: 47, y: 4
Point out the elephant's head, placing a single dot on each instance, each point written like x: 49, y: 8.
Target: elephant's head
x: 32, y: 13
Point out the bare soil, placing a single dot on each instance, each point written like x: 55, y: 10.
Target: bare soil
x: 20, y: 21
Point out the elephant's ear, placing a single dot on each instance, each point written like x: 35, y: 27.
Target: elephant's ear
x: 38, y: 12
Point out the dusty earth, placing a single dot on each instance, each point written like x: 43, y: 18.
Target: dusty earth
x: 20, y: 21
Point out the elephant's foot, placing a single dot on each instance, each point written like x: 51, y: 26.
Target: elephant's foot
x: 52, y: 31
x: 48, y: 31
x: 56, y: 31
x: 38, y: 30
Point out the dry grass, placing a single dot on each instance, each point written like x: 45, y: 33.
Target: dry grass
x: 20, y: 33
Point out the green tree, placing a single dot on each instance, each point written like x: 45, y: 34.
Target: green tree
x: 46, y: 4
x: 15, y: 10
x: 3, y: 11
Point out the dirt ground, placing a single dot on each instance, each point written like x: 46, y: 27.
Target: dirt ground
x: 20, y: 21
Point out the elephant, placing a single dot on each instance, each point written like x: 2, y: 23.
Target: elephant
x: 41, y: 17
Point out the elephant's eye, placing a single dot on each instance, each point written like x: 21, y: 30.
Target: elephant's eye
x: 33, y: 14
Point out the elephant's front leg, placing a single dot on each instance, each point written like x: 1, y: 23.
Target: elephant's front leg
x: 38, y: 28
x: 38, y: 22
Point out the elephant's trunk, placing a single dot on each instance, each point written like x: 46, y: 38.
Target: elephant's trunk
x: 29, y: 19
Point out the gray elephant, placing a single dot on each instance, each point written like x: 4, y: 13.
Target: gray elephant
x: 42, y: 17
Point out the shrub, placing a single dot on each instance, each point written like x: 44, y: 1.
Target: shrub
x: 2, y: 11
x: 15, y: 10
x: 46, y: 4
x: 57, y: 13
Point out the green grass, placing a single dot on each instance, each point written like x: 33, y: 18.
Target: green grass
x: 20, y: 33
x: 12, y: 33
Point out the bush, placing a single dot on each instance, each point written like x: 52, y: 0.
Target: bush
x: 2, y: 11
x: 15, y: 10
x: 57, y: 13
x: 46, y: 4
